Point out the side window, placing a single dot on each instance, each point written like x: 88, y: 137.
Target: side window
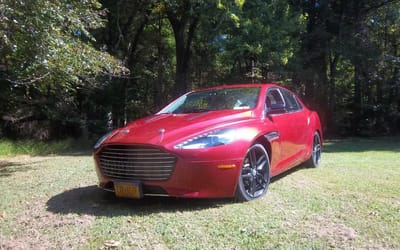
x: 274, y: 98
x: 291, y: 102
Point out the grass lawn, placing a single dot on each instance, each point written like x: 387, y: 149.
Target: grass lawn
x: 351, y: 201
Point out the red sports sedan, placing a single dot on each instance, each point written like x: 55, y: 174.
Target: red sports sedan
x: 225, y: 141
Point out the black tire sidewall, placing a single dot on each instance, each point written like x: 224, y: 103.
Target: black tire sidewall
x: 312, y: 162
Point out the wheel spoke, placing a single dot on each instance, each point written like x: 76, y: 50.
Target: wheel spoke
x: 253, y: 159
x: 246, y: 168
x: 253, y: 186
x: 261, y: 162
x: 247, y: 176
x: 261, y: 179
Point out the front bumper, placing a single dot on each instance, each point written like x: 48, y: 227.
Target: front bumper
x: 206, y: 173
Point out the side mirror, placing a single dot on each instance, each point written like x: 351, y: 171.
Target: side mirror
x: 277, y: 108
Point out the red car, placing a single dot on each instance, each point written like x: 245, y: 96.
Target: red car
x: 225, y: 141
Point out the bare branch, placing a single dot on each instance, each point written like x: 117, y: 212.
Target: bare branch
x: 29, y: 81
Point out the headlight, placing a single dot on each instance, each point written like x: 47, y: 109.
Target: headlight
x: 101, y: 140
x: 207, y: 140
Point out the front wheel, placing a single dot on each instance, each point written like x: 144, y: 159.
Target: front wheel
x: 315, y: 159
x: 255, y: 174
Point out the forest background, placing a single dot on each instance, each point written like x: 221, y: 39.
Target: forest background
x: 79, y: 68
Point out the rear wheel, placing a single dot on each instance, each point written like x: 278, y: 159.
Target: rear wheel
x: 315, y: 159
x: 255, y: 174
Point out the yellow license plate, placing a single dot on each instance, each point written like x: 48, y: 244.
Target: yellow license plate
x: 128, y: 190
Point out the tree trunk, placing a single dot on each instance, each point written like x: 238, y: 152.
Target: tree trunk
x: 357, y: 99
x: 159, y: 85
x: 331, y: 116
x: 184, y: 27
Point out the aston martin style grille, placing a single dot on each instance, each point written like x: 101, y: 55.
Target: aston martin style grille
x: 136, y: 162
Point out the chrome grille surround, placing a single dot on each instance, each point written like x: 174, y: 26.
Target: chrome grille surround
x: 136, y: 162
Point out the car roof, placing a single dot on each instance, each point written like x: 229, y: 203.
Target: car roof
x: 240, y: 85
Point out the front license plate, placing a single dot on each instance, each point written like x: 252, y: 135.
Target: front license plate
x: 128, y: 190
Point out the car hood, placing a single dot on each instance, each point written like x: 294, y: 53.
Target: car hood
x: 163, y: 129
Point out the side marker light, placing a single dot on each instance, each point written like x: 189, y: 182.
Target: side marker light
x: 229, y: 166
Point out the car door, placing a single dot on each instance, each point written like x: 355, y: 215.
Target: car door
x: 298, y: 122
x: 285, y: 112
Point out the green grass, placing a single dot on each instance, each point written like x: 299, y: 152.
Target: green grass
x: 351, y: 202
x: 31, y: 147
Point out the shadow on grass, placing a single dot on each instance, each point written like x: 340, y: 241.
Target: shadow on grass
x: 85, y: 152
x: 7, y: 168
x: 390, y: 144
x: 94, y: 201
x: 300, y: 167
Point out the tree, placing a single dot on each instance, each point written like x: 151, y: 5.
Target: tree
x: 337, y: 34
x: 261, y: 43
x: 49, y: 54
x: 184, y: 18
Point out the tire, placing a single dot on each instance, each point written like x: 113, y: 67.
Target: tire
x: 315, y: 159
x: 254, y: 176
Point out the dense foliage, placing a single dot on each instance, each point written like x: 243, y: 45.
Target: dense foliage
x: 73, y: 68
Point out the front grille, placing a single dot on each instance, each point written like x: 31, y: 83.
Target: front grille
x: 136, y: 162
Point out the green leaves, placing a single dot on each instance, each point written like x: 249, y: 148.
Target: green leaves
x: 52, y: 37
x: 262, y: 37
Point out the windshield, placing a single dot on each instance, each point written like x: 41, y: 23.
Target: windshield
x: 216, y: 99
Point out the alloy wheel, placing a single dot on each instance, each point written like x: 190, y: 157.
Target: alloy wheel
x: 255, y: 176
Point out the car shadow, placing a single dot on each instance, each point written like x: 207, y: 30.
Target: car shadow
x: 293, y: 170
x: 92, y: 200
